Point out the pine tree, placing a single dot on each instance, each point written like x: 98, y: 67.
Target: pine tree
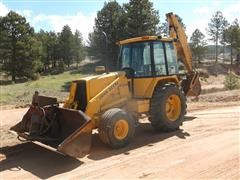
x: 164, y: 27
x: 66, y: 45
x: 78, y: 48
x: 232, y: 37
x: 142, y: 19
x: 198, y: 44
x: 50, y: 48
x: 216, y: 28
x: 111, y: 20
x: 19, y: 48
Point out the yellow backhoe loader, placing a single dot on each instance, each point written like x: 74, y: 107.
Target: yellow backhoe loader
x: 148, y: 82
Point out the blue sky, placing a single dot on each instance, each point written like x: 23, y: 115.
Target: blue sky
x: 80, y: 14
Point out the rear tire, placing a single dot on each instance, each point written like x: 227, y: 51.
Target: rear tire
x: 167, y: 107
x: 116, y: 128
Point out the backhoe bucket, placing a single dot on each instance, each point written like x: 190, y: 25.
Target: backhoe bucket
x: 68, y: 131
x: 191, y: 85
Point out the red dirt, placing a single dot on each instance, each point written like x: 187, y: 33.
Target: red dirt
x: 206, y: 146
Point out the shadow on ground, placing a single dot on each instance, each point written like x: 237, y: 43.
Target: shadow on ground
x: 45, y: 163
x: 8, y: 82
x: 145, y: 135
x: 37, y: 160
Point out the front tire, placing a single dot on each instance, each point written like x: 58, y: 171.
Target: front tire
x: 167, y: 107
x: 116, y: 128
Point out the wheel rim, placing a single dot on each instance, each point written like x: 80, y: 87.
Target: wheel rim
x: 173, y: 107
x: 121, y: 129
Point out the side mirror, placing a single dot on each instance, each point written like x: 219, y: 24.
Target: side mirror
x: 100, y: 69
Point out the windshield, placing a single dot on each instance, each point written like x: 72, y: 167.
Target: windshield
x: 137, y: 56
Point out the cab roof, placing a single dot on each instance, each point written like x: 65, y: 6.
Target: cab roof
x: 144, y: 38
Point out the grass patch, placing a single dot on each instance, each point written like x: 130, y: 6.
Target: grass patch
x: 51, y: 85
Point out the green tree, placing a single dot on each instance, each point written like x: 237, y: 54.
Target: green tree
x: 142, y: 18
x: 164, y: 29
x: 231, y: 81
x: 216, y: 28
x: 198, y: 45
x: 78, y: 48
x: 50, y: 50
x: 54, y: 48
x: 232, y: 38
x: 111, y: 20
x: 223, y: 38
x: 20, y: 50
x: 66, y: 41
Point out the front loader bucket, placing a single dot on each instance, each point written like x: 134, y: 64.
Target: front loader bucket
x: 68, y: 131
x: 76, y: 132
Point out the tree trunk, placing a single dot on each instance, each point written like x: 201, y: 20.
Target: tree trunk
x: 54, y: 62
x: 216, y: 51
x: 238, y: 59
x: 224, y: 53
x: 13, y: 77
x: 13, y: 61
x: 231, y: 54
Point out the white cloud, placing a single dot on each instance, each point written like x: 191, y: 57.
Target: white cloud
x: 200, y: 24
x: 216, y: 3
x: 203, y: 10
x: 232, y: 11
x: 204, y: 14
x: 3, y: 9
x: 27, y: 13
x: 79, y: 21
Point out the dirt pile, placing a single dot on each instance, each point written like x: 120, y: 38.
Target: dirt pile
x: 222, y: 96
x: 217, y: 68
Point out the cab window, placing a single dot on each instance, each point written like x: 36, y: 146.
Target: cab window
x: 137, y: 56
x: 171, y: 59
x: 159, y: 59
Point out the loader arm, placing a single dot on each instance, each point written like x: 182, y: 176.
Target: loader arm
x: 191, y: 85
x: 97, y: 103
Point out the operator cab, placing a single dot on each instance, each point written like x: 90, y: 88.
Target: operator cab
x: 148, y: 56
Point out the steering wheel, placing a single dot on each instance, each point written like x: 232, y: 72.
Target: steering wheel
x: 129, y: 72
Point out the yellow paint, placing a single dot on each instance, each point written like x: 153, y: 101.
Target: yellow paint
x: 121, y: 129
x: 106, y: 91
x: 68, y: 103
x: 173, y: 107
x: 138, y: 106
x: 144, y: 87
x: 182, y: 47
x: 112, y: 90
x: 143, y: 39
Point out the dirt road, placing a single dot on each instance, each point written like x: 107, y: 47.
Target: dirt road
x: 206, y: 146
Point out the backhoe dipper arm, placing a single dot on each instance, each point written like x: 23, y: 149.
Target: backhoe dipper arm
x: 191, y: 85
x: 177, y: 32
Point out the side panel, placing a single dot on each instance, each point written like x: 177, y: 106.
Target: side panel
x: 144, y: 87
x: 107, y: 91
x: 138, y: 105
